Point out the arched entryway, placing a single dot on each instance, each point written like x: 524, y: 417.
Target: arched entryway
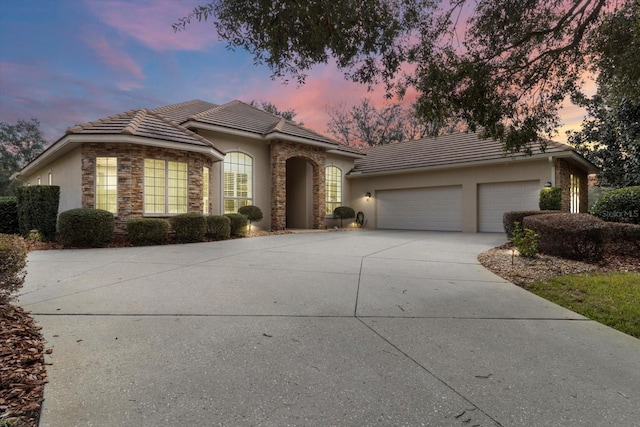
x: 299, y: 208
x: 297, y: 186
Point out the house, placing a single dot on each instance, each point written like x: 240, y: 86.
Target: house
x: 201, y: 157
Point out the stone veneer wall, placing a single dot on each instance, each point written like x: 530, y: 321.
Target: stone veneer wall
x: 564, y: 170
x: 281, y: 151
x: 131, y: 176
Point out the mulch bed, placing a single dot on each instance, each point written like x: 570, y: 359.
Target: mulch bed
x: 22, y: 368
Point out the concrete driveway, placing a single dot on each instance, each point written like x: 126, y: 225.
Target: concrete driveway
x: 318, y: 329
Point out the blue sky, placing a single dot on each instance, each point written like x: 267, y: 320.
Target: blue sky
x: 66, y: 62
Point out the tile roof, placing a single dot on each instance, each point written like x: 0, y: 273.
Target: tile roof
x: 445, y: 150
x: 143, y: 123
x: 179, y: 113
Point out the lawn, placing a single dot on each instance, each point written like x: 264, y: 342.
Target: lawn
x: 612, y: 299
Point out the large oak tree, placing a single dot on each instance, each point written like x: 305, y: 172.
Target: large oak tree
x: 503, y: 66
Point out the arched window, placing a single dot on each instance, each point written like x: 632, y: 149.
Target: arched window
x: 333, y: 188
x: 238, y: 181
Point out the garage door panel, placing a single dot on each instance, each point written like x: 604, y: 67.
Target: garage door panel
x: 437, y: 208
x: 497, y: 198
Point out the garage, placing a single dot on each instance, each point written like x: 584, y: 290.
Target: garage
x: 435, y: 208
x: 497, y: 198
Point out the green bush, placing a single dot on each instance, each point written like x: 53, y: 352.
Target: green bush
x: 253, y: 213
x: 218, y: 227
x: 148, y: 231
x: 573, y: 236
x: 550, y: 199
x: 13, y: 260
x: 526, y: 241
x: 621, y: 205
x: 38, y: 209
x: 86, y: 228
x: 189, y: 227
x: 238, y: 224
x: 623, y: 238
x: 343, y: 212
x: 9, y: 215
x: 509, y: 219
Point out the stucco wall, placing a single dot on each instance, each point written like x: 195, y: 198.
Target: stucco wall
x: 469, y: 177
x: 66, y: 173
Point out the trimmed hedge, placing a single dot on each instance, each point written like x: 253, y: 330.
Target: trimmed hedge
x: 38, y: 209
x: 343, y: 212
x: 550, y: 199
x: 189, y: 227
x: 621, y: 205
x: 623, y: 238
x: 218, y: 227
x: 253, y: 213
x: 86, y: 228
x: 238, y: 224
x: 148, y: 231
x: 510, y: 218
x: 570, y: 235
x: 9, y: 216
x: 13, y: 260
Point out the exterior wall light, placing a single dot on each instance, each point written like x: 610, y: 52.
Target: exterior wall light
x: 548, y: 184
x: 367, y: 195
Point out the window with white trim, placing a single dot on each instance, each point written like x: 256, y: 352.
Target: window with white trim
x: 333, y: 188
x: 238, y: 181
x: 165, y: 187
x: 107, y: 184
x: 205, y: 190
x: 575, y: 193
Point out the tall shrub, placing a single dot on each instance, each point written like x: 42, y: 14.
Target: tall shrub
x: 13, y: 260
x: 38, y: 209
x: 621, y: 205
x: 9, y: 215
x: 86, y: 227
x: 550, y: 199
x: 509, y: 219
x: 253, y: 213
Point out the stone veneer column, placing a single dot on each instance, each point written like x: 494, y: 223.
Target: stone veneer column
x: 281, y: 151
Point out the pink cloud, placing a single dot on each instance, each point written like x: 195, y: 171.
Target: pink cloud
x: 149, y: 22
x: 117, y: 60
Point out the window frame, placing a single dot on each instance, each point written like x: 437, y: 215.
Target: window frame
x: 574, y: 193
x: 106, y: 205
x: 165, y: 185
x: 250, y: 182
x: 206, y: 189
x: 332, y: 203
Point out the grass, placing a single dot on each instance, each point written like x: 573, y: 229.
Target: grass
x: 612, y: 299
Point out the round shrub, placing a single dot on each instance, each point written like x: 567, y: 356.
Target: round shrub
x: 621, y: 205
x: 218, y: 227
x: 569, y: 235
x: 13, y: 260
x: 238, y: 224
x: 550, y: 199
x: 189, y: 227
x: 343, y: 212
x: 253, y: 213
x: 86, y: 227
x: 509, y: 219
x: 148, y: 231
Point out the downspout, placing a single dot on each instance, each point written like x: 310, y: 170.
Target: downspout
x: 553, y: 171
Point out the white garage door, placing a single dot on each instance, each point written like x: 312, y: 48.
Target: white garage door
x: 437, y: 208
x: 496, y: 199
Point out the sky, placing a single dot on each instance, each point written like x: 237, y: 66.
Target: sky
x: 66, y: 62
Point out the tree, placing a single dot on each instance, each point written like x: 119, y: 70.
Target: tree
x: 610, y: 134
x: 19, y: 144
x: 364, y: 125
x: 502, y: 66
x: 271, y: 108
x: 610, y: 139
